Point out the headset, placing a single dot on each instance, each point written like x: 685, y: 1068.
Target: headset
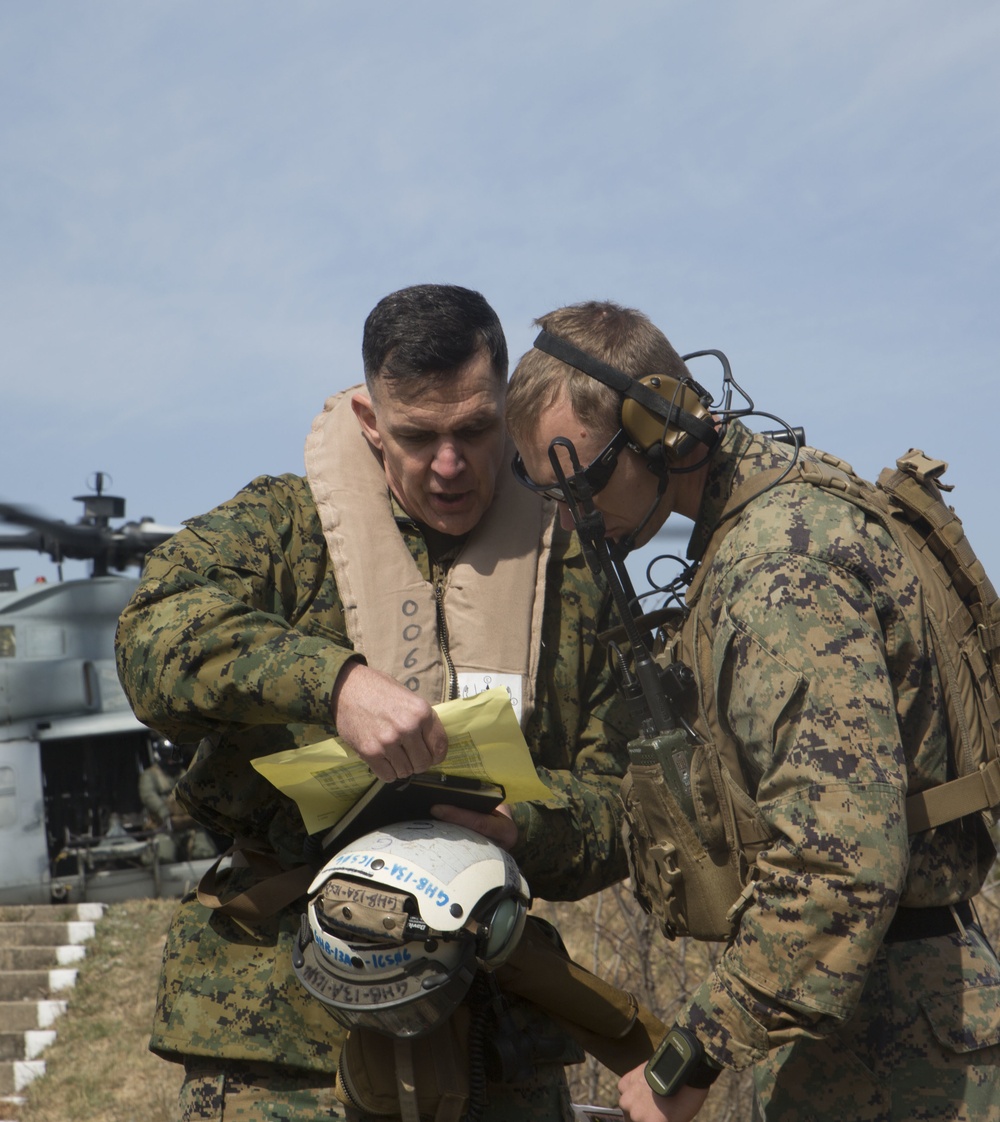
x: 662, y: 417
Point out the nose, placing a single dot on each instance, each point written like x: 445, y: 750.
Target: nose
x: 449, y: 459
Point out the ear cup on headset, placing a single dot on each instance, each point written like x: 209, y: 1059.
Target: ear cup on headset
x: 652, y: 434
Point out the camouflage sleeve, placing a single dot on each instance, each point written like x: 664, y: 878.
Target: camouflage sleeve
x: 571, y: 846
x: 804, y: 685
x: 209, y: 640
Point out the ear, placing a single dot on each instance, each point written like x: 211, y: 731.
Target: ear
x: 364, y: 410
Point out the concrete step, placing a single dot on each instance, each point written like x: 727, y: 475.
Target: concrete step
x: 23, y: 1016
x: 40, y: 958
x: 41, y: 934
x: 50, y: 913
x: 35, y: 985
x: 25, y: 1045
x: 15, y: 1075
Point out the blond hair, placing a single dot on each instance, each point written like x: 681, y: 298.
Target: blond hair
x: 622, y: 337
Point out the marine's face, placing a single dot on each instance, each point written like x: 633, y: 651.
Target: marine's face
x: 441, y: 445
x: 626, y: 498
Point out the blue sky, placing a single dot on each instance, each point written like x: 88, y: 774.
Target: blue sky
x: 200, y: 203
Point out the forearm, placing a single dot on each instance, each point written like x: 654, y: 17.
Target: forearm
x: 571, y: 846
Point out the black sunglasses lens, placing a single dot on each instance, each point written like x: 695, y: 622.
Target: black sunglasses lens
x: 547, y: 490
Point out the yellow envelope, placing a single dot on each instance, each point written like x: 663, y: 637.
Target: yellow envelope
x: 484, y: 742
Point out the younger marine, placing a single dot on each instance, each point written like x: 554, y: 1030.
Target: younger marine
x: 856, y: 983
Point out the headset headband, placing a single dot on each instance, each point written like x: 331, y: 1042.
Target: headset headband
x: 619, y: 381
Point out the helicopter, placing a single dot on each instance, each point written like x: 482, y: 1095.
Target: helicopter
x: 72, y: 824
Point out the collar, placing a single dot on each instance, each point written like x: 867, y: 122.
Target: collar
x: 441, y: 548
x: 739, y: 455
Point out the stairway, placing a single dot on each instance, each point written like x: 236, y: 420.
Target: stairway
x: 40, y: 945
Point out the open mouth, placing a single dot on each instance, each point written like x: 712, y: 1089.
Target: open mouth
x: 450, y: 499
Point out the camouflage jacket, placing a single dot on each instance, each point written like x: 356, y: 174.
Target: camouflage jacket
x: 824, y: 679
x: 234, y: 638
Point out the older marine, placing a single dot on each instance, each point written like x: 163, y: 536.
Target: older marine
x: 404, y: 568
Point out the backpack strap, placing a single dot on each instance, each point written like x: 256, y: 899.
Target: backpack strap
x: 980, y: 790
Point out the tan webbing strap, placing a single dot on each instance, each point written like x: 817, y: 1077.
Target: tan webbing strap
x: 275, y: 888
x: 958, y: 797
x: 402, y: 1050
x: 910, y: 485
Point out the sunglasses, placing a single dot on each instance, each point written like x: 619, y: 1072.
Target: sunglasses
x: 584, y: 483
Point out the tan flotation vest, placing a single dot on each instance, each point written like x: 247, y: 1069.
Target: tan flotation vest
x: 492, y: 599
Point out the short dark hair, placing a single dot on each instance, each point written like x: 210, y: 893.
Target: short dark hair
x: 431, y: 329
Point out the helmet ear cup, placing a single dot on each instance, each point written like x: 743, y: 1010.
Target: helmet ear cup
x: 656, y: 438
x: 500, y: 931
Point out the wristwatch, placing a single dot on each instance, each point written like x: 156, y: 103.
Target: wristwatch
x: 680, y: 1060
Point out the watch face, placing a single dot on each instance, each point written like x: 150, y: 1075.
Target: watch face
x: 672, y: 1062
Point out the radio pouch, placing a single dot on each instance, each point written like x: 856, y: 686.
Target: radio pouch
x: 412, y: 1080
x: 686, y: 860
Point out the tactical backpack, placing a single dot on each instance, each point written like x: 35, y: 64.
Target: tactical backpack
x: 963, y: 616
x: 692, y: 831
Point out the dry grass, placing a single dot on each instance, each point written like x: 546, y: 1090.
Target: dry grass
x: 99, y: 1069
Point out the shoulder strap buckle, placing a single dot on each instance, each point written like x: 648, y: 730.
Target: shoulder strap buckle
x: 923, y: 469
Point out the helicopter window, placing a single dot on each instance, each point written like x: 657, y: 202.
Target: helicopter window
x: 8, y: 646
x: 8, y: 797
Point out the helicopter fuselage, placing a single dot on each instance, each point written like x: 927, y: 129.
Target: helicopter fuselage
x: 72, y: 825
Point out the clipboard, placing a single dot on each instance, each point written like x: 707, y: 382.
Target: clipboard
x: 406, y: 799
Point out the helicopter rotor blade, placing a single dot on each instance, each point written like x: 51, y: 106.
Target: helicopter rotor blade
x: 33, y: 541
x: 105, y: 546
x: 17, y: 515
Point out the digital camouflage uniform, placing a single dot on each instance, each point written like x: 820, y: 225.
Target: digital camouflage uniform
x: 823, y: 677
x: 236, y: 634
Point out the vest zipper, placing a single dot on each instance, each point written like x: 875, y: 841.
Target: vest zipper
x: 443, y: 640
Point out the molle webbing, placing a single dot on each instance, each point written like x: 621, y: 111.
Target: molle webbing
x: 966, y: 634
